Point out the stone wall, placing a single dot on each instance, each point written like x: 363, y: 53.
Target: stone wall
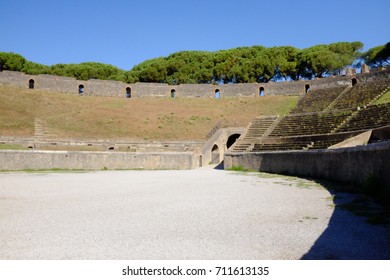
x: 22, y: 160
x: 354, y: 165
x: 118, y: 89
x: 102, y: 144
x: 216, y: 145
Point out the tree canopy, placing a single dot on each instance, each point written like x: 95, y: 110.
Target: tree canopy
x: 377, y: 56
x: 238, y: 65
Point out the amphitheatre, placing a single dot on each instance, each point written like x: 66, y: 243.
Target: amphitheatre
x: 335, y: 129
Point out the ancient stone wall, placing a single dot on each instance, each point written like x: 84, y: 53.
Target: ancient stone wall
x: 120, y: 89
x: 22, y: 160
x: 354, y: 165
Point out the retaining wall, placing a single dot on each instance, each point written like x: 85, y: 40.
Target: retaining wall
x: 346, y: 165
x: 21, y: 160
x: 119, y: 89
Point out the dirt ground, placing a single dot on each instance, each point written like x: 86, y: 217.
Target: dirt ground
x: 193, y: 214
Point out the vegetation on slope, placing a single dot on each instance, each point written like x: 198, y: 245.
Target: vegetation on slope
x: 238, y: 65
x: 385, y: 98
x: 72, y: 116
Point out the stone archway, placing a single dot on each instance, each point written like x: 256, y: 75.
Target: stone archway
x: 173, y: 93
x: 215, y: 155
x: 354, y: 81
x: 232, y: 139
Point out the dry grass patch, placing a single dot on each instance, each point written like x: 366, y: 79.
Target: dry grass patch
x: 134, y: 118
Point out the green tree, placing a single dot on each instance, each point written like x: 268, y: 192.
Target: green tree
x: 377, y: 56
x: 322, y: 60
x: 89, y: 70
x: 11, y: 61
x: 35, y: 68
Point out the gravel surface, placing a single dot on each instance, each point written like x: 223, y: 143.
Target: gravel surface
x: 192, y: 214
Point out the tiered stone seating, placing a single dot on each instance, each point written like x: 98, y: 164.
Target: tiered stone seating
x: 302, y: 142
x: 321, y: 119
x: 373, y: 116
x: 361, y: 94
x: 317, y: 100
x: 281, y: 146
x: 309, y: 124
x: 325, y: 141
x: 259, y: 127
x: 256, y: 130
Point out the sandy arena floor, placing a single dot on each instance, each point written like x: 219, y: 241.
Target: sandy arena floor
x: 194, y: 214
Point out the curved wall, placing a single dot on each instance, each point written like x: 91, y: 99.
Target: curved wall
x: 119, y: 89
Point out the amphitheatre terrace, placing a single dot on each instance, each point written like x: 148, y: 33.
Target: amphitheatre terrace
x: 329, y: 112
x: 335, y: 128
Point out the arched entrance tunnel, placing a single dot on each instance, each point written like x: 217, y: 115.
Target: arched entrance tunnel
x: 214, y: 148
x: 232, y: 139
x: 215, y: 155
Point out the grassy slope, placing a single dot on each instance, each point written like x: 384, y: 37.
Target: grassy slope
x: 136, y: 118
x: 385, y: 98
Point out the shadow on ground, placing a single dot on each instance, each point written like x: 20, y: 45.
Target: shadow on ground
x: 219, y: 166
x: 358, y: 230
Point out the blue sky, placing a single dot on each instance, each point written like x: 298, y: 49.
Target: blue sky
x: 125, y: 33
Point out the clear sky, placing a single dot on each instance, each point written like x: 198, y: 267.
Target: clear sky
x: 125, y: 33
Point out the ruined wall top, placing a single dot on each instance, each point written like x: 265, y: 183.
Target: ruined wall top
x: 119, y: 89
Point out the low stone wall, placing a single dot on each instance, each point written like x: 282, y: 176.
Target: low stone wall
x: 21, y: 160
x: 102, y: 144
x: 355, y: 165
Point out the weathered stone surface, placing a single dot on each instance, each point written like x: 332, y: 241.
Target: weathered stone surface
x: 21, y: 160
x: 365, y: 69
x: 346, y: 165
x: 119, y: 89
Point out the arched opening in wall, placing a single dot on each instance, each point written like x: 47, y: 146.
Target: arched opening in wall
x: 31, y: 84
x: 307, y: 88
x: 128, y: 92
x: 173, y: 93
x: 215, y: 159
x: 110, y: 148
x: 81, y: 89
x: 261, y: 91
x: 232, y: 139
x: 354, y: 81
x: 217, y: 94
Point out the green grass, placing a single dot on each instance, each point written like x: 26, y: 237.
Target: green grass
x: 12, y: 147
x: 385, y: 98
x: 238, y: 168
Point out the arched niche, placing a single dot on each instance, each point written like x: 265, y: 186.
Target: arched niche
x: 31, y: 84
x: 128, y: 92
x: 81, y: 89
x: 261, y: 91
x: 217, y: 94
x: 307, y: 88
